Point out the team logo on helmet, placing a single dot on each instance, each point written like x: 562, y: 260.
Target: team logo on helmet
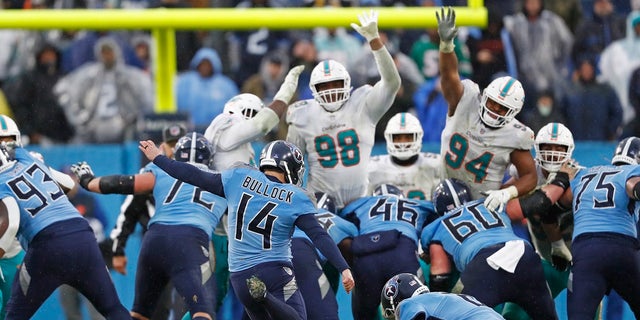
x: 391, y: 291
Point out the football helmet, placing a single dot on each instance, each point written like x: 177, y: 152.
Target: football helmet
x: 284, y: 156
x: 193, y: 148
x: 450, y: 194
x: 9, y: 128
x: 627, y: 152
x: 326, y: 202
x: 388, y: 189
x: 553, y: 134
x: 398, y: 288
x: 507, y: 92
x: 245, y: 104
x: 328, y: 71
x: 403, y: 123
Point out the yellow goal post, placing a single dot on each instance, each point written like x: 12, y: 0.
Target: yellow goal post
x: 163, y: 23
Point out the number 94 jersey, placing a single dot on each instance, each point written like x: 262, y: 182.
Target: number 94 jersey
x: 475, y: 153
x: 337, y: 144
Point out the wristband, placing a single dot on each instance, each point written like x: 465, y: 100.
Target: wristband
x: 84, y: 181
x: 561, y: 180
x: 447, y: 47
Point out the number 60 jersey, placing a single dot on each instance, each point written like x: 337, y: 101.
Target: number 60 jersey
x: 337, y: 144
x: 474, y: 153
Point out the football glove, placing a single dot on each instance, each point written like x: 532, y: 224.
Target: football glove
x: 446, y: 29
x: 497, y: 199
x: 289, y: 86
x: 560, y: 255
x: 83, y: 171
x: 368, y: 27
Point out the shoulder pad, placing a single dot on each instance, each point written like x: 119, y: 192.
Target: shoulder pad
x: 296, y: 113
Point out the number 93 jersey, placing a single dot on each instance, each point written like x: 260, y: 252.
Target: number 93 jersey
x: 474, y: 153
x: 337, y: 144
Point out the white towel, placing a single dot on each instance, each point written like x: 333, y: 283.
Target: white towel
x: 508, y: 257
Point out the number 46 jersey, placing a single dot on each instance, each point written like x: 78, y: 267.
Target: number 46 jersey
x: 477, y: 154
x: 337, y: 144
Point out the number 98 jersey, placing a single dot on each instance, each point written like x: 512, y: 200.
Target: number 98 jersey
x: 474, y: 153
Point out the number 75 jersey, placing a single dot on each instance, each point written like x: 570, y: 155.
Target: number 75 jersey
x: 477, y: 154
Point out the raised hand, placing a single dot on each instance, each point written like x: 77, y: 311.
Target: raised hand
x: 83, y: 171
x: 368, y: 27
x: 290, y: 85
x: 149, y: 149
x: 446, y: 28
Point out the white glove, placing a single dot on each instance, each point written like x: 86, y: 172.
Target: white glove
x: 368, y: 27
x: 446, y: 29
x: 83, y: 171
x: 497, y: 199
x: 560, y: 255
x: 289, y: 86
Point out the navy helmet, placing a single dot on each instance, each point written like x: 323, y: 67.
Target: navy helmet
x: 388, y: 189
x: 193, y: 147
x: 627, y: 152
x: 398, y: 288
x: 326, y: 202
x: 450, y: 194
x: 284, y: 156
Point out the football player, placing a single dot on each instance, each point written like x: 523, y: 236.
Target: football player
x: 415, y: 173
x: 481, y: 136
x: 180, y: 229
x: 264, y: 205
x: 388, y: 226
x: 336, y: 129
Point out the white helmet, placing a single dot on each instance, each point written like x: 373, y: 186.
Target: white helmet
x: 555, y: 134
x: 9, y: 128
x: 244, y: 104
x: 403, y: 123
x: 507, y: 92
x: 327, y: 71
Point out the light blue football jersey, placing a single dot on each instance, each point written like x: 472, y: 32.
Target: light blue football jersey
x: 179, y: 203
x: 337, y: 228
x: 41, y: 201
x: 381, y: 213
x: 468, y: 229
x: 260, y: 225
x: 439, y: 305
x: 601, y: 203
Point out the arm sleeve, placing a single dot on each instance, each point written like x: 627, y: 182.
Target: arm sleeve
x: 183, y: 171
x: 133, y: 207
x: 384, y: 91
x: 247, y: 131
x: 322, y: 240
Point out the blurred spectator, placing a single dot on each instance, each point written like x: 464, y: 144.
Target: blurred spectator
x: 82, y: 50
x: 487, y: 52
x: 596, y: 32
x: 634, y: 100
x: 337, y: 44
x: 619, y: 59
x: 542, y: 46
x: 247, y: 48
x: 592, y: 109
x: 204, y: 89
x: 425, y: 53
x: 103, y: 99
x: 34, y: 104
x: 569, y: 10
x: 431, y: 109
x: 303, y: 52
x: 4, y: 105
x: 142, y: 47
x: 546, y: 111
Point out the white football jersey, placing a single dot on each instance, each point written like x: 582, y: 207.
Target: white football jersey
x: 475, y: 153
x: 229, y: 145
x: 416, y: 181
x: 337, y: 144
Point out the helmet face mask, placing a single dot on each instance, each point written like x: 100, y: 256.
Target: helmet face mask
x: 7, y: 155
x: 627, y: 152
x: 245, y: 104
x: 508, y: 93
x: 397, y: 289
x: 450, y: 194
x: 194, y: 148
x: 8, y: 128
x: 330, y: 84
x: 554, y: 146
x: 403, y: 135
x: 286, y: 157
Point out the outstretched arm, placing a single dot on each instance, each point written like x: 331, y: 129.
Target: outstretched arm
x: 119, y: 183
x: 452, y: 88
